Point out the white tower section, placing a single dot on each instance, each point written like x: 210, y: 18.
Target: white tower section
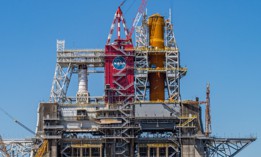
x: 82, y: 94
x: 82, y: 76
x: 71, y: 62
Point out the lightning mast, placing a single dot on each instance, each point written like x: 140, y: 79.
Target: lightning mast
x: 207, y: 114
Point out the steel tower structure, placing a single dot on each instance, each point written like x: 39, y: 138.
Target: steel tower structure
x: 125, y: 121
x: 172, y: 68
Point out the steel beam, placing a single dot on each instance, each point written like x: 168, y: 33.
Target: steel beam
x: 18, y: 148
x: 226, y: 147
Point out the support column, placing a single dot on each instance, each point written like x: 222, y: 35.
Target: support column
x: 81, y: 152
x: 53, y: 148
x: 132, y: 148
x: 157, y: 152
x: 100, y: 151
x: 167, y: 151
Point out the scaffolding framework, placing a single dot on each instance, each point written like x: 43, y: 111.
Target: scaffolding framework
x: 19, y: 148
x: 67, y: 63
x: 171, y: 68
x: 226, y: 147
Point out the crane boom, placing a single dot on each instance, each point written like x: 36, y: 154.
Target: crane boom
x: 137, y: 18
x: 16, y: 121
x: 25, y: 127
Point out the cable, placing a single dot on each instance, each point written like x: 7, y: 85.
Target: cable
x: 122, y: 3
x: 130, y: 6
x: 7, y: 114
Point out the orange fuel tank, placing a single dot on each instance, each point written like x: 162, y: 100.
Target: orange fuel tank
x: 156, y: 59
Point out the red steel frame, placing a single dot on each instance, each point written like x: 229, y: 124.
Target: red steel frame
x: 119, y: 83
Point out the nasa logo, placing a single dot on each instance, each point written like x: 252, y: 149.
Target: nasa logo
x: 119, y: 63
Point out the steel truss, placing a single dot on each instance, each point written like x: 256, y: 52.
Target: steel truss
x: 141, y: 76
x: 141, y: 60
x: 172, y: 63
x: 141, y: 35
x: 67, y: 63
x: 119, y: 112
x: 170, y: 40
x: 121, y: 134
x: 173, y: 74
x: 226, y: 147
x: 18, y: 148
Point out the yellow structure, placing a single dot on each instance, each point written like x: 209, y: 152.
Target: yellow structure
x: 156, y: 59
x: 42, y: 150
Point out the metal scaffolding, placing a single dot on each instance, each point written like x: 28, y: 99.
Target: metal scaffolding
x: 67, y: 63
x: 19, y: 148
x: 172, y: 63
x: 226, y: 147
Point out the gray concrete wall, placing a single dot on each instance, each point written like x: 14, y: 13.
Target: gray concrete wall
x: 191, y: 151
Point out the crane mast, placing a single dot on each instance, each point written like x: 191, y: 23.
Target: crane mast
x: 137, y: 18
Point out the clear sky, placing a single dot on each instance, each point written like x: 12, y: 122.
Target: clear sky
x: 219, y: 43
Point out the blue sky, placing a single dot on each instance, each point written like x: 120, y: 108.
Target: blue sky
x: 219, y: 43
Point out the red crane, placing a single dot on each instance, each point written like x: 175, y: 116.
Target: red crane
x: 118, y: 17
x: 137, y: 18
